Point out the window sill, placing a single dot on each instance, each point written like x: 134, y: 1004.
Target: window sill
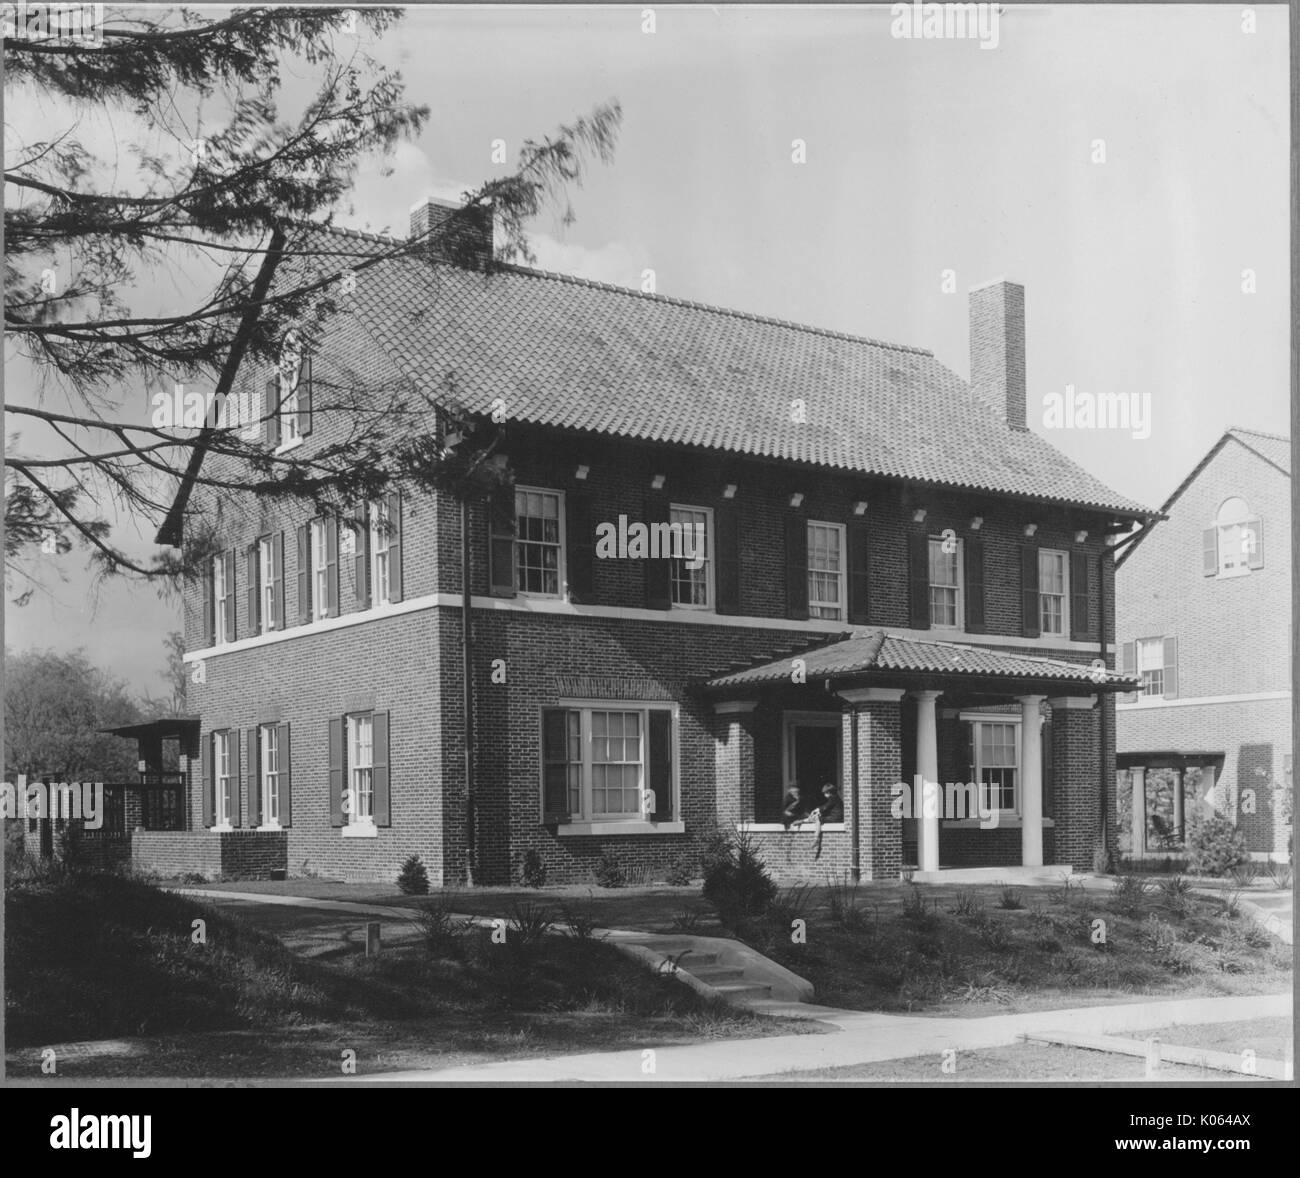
x: 285, y: 447
x: 221, y: 828
x: 360, y: 830
x: 575, y: 829
x: 794, y: 828
x: 269, y: 826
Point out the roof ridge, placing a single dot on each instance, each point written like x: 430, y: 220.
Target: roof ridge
x: 1037, y: 658
x: 343, y: 231
x: 1258, y: 433
x: 672, y: 300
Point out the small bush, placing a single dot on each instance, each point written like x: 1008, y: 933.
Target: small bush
x: 1245, y: 873
x: 1169, y: 951
x: 967, y: 904
x: 1215, y: 846
x: 528, y: 926
x: 1044, y: 930
x: 686, y: 921
x: 193, y: 877
x: 915, y: 908
x: 532, y: 869
x: 1130, y: 894
x: 439, y: 930
x: 609, y: 871
x: 1010, y: 899
x: 581, y: 922
x: 413, y: 879
x: 842, y: 900
x: 738, y: 884
x: 680, y: 872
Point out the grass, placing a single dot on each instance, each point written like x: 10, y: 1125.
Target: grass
x: 95, y: 957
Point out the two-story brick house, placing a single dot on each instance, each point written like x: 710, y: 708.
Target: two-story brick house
x: 898, y: 577
x: 1204, y: 607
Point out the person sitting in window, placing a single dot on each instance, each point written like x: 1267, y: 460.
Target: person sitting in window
x: 795, y: 811
x: 832, y: 805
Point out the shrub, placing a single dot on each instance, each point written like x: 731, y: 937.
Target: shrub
x: 967, y: 904
x: 1168, y: 950
x: 1245, y: 873
x: 609, y: 871
x: 842, y: 900
x: 528, y: 926
x: 1010, y: 899
x: 532, y: 869
x: 737, y: 882
x: 1280, y: 874
x: 439, y: 929
x: 1130, y: 894
x: 413, y: 879
x: 1215, y: 846
x: 686, y: 921
x: 680, y: 872
x: 1178, y: 894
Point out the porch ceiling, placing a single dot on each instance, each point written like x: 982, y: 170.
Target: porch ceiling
x: 876, y: 657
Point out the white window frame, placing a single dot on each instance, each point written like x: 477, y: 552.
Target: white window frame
x: 359, y: 786
x: 977, y: 769
x: 269, y: 770
x: 817, y: 608
x: 1158, y: 670
x: 1064, y: 630
x: 319, y: 571
x: 266, y: 587
x: 586, y: 707
x: 790, y: 722
x: 959, y: 586
x: 289, y: 435
x: 561, y: 571
x: 706, y: 569
x: 222, y: 783
x: 380, y: 543
x: 1230, y: 530
x: 220, y: 595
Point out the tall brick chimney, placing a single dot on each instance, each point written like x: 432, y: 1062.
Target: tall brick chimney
x: 997, y: 348
x: 456, y: 235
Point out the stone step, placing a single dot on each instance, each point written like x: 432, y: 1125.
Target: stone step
x: 714, y: 974
x: 740, y: 993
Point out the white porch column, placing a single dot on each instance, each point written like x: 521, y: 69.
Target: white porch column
x: 927, y: 800
x: 1138, y: 838
x: 1031, y: 781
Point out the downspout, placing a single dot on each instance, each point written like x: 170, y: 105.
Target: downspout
x: 855, y: 863
x: 468, y: 688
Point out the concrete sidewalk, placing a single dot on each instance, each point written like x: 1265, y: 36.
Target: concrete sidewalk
x: 863, y: 1038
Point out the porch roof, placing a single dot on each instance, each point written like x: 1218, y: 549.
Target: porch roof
x: 876, y: 656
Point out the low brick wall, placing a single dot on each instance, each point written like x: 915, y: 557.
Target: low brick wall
x: 791, y: 855
x: 252, y: 854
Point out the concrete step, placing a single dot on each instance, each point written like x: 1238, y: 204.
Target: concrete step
x: 740, y: 993
x: 714, y: 974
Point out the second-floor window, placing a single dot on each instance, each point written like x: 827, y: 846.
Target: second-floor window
x: 693, y: 587
x: 538, y: 546
x: 320, y: 570
x: 221, y: 593
x: 266, y: 582
x: 289, y: 419
x: 380, y: 539
x: 945, y: 583
x: 825, y: 570
x: 1234, y: 545
x: 1053, y: 595
x: 1151, y: 665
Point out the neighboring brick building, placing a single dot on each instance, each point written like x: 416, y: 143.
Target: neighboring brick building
x: 1204, y: 608
x: 941, y: 571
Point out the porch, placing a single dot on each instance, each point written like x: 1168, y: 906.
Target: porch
x: 945, y: 756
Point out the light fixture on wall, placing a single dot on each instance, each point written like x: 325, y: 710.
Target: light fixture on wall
x: 583, y: 472
x: 918, y: 516
x: 796, y: 500
x: 1080, y: 537
x: 729, y: 491
x: 657, y: 483
x: 1030, y: 529
x: 977, y: 522
x: 860, y: 507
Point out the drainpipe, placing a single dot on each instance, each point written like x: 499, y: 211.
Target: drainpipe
x: 468, y: 688
x: 855, y: 863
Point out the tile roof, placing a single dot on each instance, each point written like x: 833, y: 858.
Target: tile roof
x: 581, y: 355
x: 1273, y: 447
x: 879, y: 650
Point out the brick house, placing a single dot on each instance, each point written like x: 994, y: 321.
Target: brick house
x: 1203, y: 616
x: 898, y: 579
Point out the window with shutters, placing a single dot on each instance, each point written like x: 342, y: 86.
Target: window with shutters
x: 1237, y: 533
x: 539, y: 541
x: 320, y: 570
x: 360, y: 799
x: 693, y: 587
x: 270, y: 752
x: 266, y: 583
x: 289, y: 408
x: 380, y: 539
x: 608, y: 763
x: 1151, y: 665
x: 221, y: 593
x: 825, y: 570
x: 223, y: 782
x: 996, y: 746
x: 945, y: 582
x: 1053, y: 591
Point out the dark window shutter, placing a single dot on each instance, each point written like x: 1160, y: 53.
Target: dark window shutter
x: 304, y: 398
x: 336, y: 771
x: 1031, y: 621
x: 380, y: 774
x: 395, y: 547
x: 660, y: 764
x: 555, y: 767
x: 1210, y: 552
x: 1049, y: 792
x: 209, y: 614
x: 1255, y: 553
x: 304, y: 574
x: 973, y: 556
x: 271, y: 427
x: 859, y: 557
x: 726, y: 555
x: 231, y: 598
x: 236, y: 778
x: 502, y: 524
x: 1171, y: 668
x: 361, y: 561
x: 1081, y: 628
x: 1128, y: 664
x: 255, y: 776
x: 285, y: 790
x: 580, y: 545
x: 918, y: 582
x: 210, y: 780
x: 254, y: 564
x: 332, y: 567
x: 658, y: 573
x: 277, y: 581
x: 796, y: 566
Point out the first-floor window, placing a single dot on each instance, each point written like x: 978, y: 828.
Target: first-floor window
x: 996, y: 764
x: 361, y: 767
x: 616, y: 764
x: 271, y: 773
x: 1151, y: 665
x: 221, y: 769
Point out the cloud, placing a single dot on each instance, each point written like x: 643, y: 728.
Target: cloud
x: 615, y: 262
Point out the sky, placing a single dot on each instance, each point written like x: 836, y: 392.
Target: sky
x: 1127, y: 164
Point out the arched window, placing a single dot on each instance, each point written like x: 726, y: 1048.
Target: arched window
x: 1237, y: 539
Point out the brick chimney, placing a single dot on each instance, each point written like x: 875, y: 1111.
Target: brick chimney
x: 456, y: 235
x: 997, y: 348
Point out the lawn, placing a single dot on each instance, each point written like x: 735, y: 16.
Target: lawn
x: 1268, y: 1038
x: 96, y: 956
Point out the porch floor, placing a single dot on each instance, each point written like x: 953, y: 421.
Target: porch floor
x: 1049, y: 873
